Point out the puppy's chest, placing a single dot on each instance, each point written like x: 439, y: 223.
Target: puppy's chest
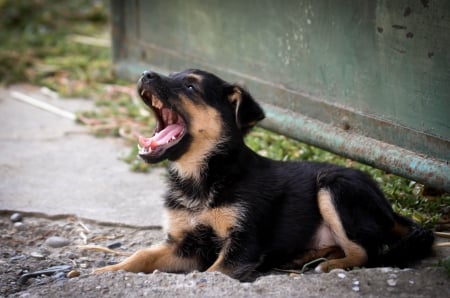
x: 221, y: 220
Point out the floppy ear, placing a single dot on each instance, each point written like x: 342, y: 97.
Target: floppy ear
x: 247, y: 110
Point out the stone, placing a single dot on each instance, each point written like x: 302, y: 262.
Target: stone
x: 73, y: 273
x: 37, y: 255
x: 19, y: 225
x: 16, y: 217
x: 56, y: 241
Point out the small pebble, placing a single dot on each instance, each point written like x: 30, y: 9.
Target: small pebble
x: 337, y: 271
x: 114, y: 245
x: 73, y: 273
x: 16, y: 217
x: 59, y: 275
x: 17, y: 257
x: 392, y: 282
x: 56, y: 241
x: 37, y: 255
x: 341, y: 275
x: 111, y: 263
x: 19, y: 225
x: 355, y: 288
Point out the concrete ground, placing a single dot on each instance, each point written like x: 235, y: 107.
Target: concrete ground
x: 49, y: 164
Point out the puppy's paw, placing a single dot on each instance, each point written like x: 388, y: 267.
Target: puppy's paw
x: 319, y: 269
x: 106, y: 269
x: 323, y: 267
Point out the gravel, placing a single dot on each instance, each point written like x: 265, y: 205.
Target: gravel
x: 30, y: 267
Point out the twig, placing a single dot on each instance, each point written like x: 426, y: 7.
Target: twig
x: 442, y: 234
x: 42, y: 105
x: 288, y: 270
x: 312, y: 262
x: 104, y: 249
x: 92, y: 41
x: 305, y: 266
x: 442, y: 244
x: 83, y: 236
x: 84, y: 226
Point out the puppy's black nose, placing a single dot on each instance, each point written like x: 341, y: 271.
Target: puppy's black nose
x: 149, y: 75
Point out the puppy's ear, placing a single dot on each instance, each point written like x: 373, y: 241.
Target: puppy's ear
x: 247, y: 110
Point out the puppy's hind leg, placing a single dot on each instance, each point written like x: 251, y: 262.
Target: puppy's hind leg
x: 355, y: 255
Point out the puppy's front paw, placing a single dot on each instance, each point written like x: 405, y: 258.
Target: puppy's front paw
x: 106, y: 269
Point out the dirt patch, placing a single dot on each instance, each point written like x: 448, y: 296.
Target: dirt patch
x: 36, y: 243
x: 48, y: 256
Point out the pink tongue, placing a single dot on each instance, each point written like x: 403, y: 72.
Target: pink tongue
x: 162, y: 137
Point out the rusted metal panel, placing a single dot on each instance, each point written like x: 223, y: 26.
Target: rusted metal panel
x: 371, y: 78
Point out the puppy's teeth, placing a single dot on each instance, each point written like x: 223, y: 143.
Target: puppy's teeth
x: 142, y: 93
x: 156, y: 102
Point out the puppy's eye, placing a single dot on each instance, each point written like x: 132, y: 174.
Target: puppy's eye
x: 190, y: 87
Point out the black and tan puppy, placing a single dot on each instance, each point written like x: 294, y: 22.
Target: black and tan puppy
x: 233, y: 211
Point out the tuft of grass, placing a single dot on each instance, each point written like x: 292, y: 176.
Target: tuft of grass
x: 445, y: 263
x: 39, y: 45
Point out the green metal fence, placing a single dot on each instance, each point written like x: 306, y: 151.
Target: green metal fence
x: 365, y: 79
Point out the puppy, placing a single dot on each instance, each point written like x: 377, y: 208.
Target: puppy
x: 231, y: 210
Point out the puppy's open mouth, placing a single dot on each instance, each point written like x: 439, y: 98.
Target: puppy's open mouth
x: 170, y: 127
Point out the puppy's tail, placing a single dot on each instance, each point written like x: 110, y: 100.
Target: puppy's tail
x: 410, y: 243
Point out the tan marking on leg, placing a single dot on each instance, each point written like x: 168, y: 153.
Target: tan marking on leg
x: 161, y: 257
x: 333, y: 252
x: 355, y: 255
x: 219, y: 265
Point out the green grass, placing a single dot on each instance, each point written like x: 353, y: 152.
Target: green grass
x: 39, y: 45
x: 446, y: 265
